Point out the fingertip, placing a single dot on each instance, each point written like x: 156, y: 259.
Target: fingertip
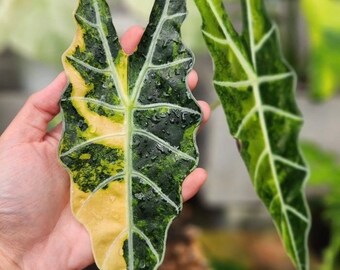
x: 192, y: 80
x: 56, y: 87
x: 131, y: 39
x: 62, y: 77
x: 206, y: 111
x: 193, y: 183
x: 203, y: 175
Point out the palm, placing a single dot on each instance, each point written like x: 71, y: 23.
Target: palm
x: 38, y: 197
x: 39, y: 184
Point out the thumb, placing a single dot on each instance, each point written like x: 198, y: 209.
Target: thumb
x: 30, y: 124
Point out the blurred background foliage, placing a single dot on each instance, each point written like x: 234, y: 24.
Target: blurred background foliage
x: 323, y: 22
x: 325, y: 173
x: 36, y: 29
x: 220, y: 228
x: 48, y: 29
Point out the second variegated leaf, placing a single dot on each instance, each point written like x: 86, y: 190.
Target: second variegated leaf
x: 256, y: 88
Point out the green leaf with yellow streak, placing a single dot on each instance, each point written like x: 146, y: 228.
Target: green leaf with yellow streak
x: 256, y: 88
x: 129, y: 133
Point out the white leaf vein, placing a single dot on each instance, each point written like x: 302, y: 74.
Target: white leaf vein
x: 97, y: 102
x: 214, y: 38
x: 256, y: 81
x: 258, y: 164
x: 165, y: 144
x: 266, y: 108
x: 87, y: 66
x: 265, y: 38
x: 283, y: 113
x: 170, y: 64
x: 148, y: 242
x: 157, y: 189
x: 98, y: 188
x: 91, y: 141
x: 290, y: 163
x: 170, y: 106
x: 245, y: 120
x: 297, y: 213
x: 113, y: 245
x: 94, y: 25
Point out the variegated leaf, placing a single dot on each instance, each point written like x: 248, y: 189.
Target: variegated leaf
x: 129, y: 141
x: 256, y: 88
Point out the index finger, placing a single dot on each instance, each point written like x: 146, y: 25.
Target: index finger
x: 131, y: 39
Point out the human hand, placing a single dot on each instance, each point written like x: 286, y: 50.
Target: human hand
x: 37, y: 228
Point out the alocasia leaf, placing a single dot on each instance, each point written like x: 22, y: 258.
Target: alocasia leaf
x: 129, y: 141
x: 256, y: 88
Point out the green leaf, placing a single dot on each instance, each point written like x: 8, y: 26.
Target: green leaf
x: 323, y: 24
x: 130, y: 126
x: 256, y: 88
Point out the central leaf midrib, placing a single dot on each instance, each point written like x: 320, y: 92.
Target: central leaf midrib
x: 252, y: 77
x: 129, y: 126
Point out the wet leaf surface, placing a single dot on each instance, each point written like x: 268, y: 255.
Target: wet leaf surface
x: 129, y: 141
